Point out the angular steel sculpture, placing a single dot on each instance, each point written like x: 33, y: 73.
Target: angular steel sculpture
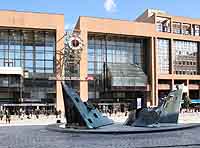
x: 81, y: 114
x: 167, y: 112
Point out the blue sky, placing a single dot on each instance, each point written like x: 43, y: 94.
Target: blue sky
x: 117, y: 9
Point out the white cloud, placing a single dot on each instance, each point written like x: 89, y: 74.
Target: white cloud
x: 69, y: 26
x: 110, y: 5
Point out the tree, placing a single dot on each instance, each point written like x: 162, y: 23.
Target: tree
x: 187, y: 102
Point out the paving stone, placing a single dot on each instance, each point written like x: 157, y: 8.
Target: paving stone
x: 38, y: 137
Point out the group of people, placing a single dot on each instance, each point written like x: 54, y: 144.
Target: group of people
x: 5, y: 114
x: 21, y: 114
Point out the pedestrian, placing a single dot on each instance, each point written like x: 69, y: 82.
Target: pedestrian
x: 126, y: 113
x: 1, y: 115
x: 56, y: 113
x: 48, y: 113
x: 8, y: 117
x: 59, y: 113
x: 110, y: 113
x: 28, y: 114
x: 37, y: 112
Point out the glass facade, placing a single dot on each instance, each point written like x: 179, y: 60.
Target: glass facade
x: 106, y: 50
x: 186, y: 57
x: 113, y: 50
x: 34, y: 51
x: 163, y: 55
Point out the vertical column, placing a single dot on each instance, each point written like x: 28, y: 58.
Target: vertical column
x: 153, y: 71
x: 172, y: 84
x: 198, y: 58
x: 156, y: 72
x: 199, y: 91
x: 59, y: 63
x: 171, y: 57
x: 188, y: 93
x: 181, y: 28
x: 171, y: 25
x: 84, y: 67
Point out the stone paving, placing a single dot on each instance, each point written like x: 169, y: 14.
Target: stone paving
x: 36, y: 136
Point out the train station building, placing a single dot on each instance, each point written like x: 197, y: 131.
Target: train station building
x: 28, y: 45
x: 144, y: 58
x: 141, y: 59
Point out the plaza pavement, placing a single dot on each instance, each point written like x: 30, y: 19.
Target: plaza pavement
x: 32, y: 133
x: 190, y: 117
x: 38, y: 137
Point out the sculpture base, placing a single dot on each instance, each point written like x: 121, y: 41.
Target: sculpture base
x: 122, y: 129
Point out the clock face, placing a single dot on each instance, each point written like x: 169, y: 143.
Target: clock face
x: 75, y: 43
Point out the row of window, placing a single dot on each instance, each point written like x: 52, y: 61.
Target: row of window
x: 185, y: 58
x: 114, y: 41
x: 185, y: 51
x: 110, y: 52
x: 163, y: 55
x: 186, y: 72
x: 32, y: 50
x: 26, y: 55
x: 164, y: 25
x: 189, y: 63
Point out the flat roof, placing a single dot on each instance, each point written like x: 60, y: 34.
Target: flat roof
x: 96, y: 17
x: 27, y: 11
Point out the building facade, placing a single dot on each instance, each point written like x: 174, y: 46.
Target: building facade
x: 28, y: 46
x: 127, y: 60
x: 145, y: 58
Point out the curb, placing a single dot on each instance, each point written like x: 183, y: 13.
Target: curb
x: 56, y: 128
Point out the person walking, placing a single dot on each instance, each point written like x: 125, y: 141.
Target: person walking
x: 56, y: 113
x: 8, y: 117
x: 59, y: 113
x: 37, y: 112
x: 1, y: 115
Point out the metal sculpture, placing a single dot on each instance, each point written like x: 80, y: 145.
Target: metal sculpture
x: 81, y: 114
x: 167, y: 112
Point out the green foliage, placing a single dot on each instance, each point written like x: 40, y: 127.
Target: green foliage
x: 187, y: 102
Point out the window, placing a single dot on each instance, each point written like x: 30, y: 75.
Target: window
x: 49, y: 64
x: 186, y: 29
x: 107, y: 49
x: 29, y: 63
x: 118, y: 50
x: 27, y: 48
x: 29, y: 55
x: 39, y: 64
x: 39, y: 55
x: 163, y: 24
x: 196, y: 30
x: 163, y: 55
x: 185, y: 59
x: 49, y: 55
x: 176, y: 27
